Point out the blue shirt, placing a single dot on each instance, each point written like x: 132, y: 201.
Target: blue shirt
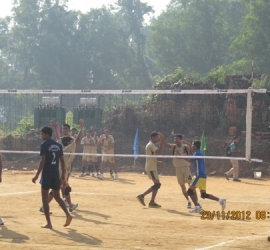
x: 199, y: 167
x: 52, y: 151
x: 233, y: 146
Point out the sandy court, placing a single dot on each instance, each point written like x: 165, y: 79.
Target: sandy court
x: 110, y: 217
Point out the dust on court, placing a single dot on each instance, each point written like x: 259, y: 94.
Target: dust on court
x: 110, y: 217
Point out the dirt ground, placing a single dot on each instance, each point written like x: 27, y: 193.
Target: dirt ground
x: 110, y: 217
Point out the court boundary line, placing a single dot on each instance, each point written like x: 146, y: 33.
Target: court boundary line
x: 111, y: 194
x: 229, y: 241
x: 31, y: 192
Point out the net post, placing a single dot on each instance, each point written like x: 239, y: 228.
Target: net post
x: 249, y: 124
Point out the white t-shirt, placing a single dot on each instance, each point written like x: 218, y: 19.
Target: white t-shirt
x: 150, y: 163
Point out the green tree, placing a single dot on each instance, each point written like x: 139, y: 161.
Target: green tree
x: 132, y: 13
x: 194, y: 35
x: 254, y: 36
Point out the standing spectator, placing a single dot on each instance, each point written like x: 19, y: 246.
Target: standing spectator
x: 74, y: 134
x: 234, y: 152
x: 89, y: 143
x: 106, y: 141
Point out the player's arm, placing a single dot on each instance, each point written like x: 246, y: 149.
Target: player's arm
x: 83, y: 142
x: 188, y: 159
x: 93, y: 141
x: 159, y: 149
x: 1, y: 168
x: 55, y: 125
x: 161, y: 163
x: 101, y: 140
x: 162, y: 139
x: 78, y: 138
x: 40, y: 167
x: 164, y: 142
x: 63, y: 168
x: 111, y: 145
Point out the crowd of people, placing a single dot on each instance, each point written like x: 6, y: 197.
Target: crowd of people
x: 57, y: 157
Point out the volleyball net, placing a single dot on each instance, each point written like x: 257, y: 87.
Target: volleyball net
x: 215, y: 116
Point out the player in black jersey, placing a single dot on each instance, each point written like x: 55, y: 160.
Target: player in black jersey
x: 51, y: 153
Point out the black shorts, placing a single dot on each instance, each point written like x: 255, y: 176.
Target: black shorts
x: 50, y: 182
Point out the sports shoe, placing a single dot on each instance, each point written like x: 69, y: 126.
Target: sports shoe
x: 222, y: 203
x: 197, y: 209
x: 93, y: 175
x: 189, y: 204
x: 140, y: 198
x: 100, y: 176
x: 72, y: 175
x: 81, y: 175
x: 1, y: 222
x: 199, y: 205
x: 72, y: 207
x: 226, y: 176
x: 238, y: 180
x: 116, y: 177
x: 42, y: 211
x: 152, y: 204
x: 87, y: 174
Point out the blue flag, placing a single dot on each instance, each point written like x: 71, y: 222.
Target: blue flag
x: 136, y: 144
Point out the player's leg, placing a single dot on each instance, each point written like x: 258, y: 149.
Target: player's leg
x: 72, y: 206
x: 192, y: 193
x: 90, y: 167
x: 71, y: 169
x: 84, y: 164
x: 103, y: 162
x: 45, y: 203
x: 231, y: 171
x: 181, y: 178
x: 95, y: 166
x: 202, y: 186
x: 235, y: 170
x: 63, y: 206
x: 221, y: 201
x: 113, y: 166
x: 153, y: 189
x: 110, y: 160
x: 67, y: 191
x: 50, y: 198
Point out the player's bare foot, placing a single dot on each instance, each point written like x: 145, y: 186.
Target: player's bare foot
x: 68, y: 221
x: 47, y: 226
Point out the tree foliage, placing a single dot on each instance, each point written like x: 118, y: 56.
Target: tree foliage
x: 45, y: 45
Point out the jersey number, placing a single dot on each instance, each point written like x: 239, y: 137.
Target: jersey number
x: 54, y: 160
